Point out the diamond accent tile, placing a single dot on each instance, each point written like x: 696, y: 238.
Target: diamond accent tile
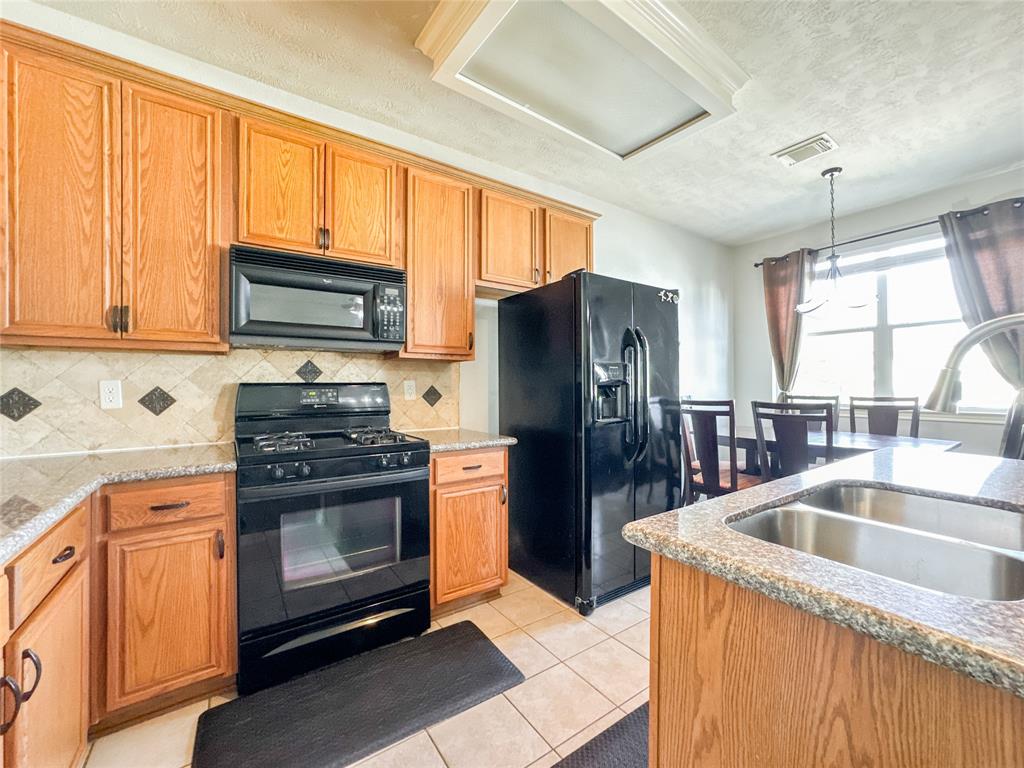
x: 308, y: 372
x: 156, y: 401
x: 16, y: 405
x: 432, y: 396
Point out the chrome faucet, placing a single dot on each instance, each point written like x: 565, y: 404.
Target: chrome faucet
x: 946, y: 392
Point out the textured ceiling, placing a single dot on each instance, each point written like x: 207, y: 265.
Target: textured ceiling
x: 919, y: 95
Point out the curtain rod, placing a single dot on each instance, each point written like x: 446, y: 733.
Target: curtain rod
x: 896, y: 231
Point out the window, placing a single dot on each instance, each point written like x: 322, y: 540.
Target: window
x: 898, y: 341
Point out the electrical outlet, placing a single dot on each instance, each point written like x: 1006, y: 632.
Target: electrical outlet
x: 409, y: 390
x: 110, y: 394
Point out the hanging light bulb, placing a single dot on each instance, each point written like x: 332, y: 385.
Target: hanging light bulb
x: 829, y: 291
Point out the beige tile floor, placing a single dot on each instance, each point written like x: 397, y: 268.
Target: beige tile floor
x: 582, y: 676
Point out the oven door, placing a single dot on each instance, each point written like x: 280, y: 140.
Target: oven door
x: 332, y: 545
x: 294, y: 304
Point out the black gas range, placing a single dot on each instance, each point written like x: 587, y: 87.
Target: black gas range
x: 333, y: 527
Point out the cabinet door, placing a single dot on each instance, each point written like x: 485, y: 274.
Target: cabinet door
x: 361, y: 206
x: 50, y: 730
x: 171, y: 267
x: 281, y: 195
x: 509, y: 241
x: 470, y: 539
x: 568, y: 245
x: 167, y: 611
x: 62, y: 188
x: 439, y: 266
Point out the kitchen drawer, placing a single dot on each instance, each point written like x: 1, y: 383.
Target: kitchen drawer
x: 137, y: 505
x: 38, y: 569
x: 468, y: 465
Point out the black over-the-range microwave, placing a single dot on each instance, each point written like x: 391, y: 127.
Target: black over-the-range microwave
x: 287, y: 300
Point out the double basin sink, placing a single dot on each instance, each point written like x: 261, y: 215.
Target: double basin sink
x: 954, y: 547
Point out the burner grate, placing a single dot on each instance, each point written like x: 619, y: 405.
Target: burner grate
x: 282, y: 442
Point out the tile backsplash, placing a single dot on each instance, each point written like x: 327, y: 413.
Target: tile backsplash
x: 49, y: 399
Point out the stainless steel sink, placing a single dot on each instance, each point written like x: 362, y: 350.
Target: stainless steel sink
x: 960, y: 520
x: 913, y: 555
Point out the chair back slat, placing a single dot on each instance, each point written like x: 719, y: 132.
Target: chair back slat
x: 703, y: 416
x: 791, y: 424
x: 785, y: 397
x: 883, y: 414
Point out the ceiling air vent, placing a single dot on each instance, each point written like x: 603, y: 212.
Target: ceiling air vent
x: 806, y: 149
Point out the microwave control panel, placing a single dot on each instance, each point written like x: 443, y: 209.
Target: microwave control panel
x: 391, y: 312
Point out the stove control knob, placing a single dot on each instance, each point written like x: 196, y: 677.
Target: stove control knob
x: 406, y: 459
x: 277, y: 473
x: 305, y: 470
x: 384, y: 460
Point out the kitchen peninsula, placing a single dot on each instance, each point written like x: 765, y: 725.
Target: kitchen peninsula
x: 765, y: 655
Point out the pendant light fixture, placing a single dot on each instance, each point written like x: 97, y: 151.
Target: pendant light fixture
x: 830, y: 292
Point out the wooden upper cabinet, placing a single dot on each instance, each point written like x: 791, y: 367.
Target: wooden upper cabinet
x: 568, y: 242
x: 49, y: 656
x: 62, y: 188
x: 510, y: 246
x: 361, y: 206
x: 281, y: 194
x: 439, y: 264
x: 167, y: 611
x: 171, y: 268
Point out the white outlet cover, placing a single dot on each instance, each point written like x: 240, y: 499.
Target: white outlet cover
x: 110, y: 394
x: 409, y: 389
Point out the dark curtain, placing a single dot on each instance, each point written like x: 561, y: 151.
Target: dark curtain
x: 786, y: 280
x: 985, y: 248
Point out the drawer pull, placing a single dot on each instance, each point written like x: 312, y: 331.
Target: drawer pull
x: 504, y: 494
x: 65, y: 554
x: 9, y: 682
x: 471, y: 467
x: 32, y: 656
x: 169, y: 507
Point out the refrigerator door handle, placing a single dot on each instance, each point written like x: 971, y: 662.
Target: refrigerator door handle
x: 643, y: 425
x: 631, y: 357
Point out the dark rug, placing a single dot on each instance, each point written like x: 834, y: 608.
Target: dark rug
x: 339, y: 714
x: 624, y: 745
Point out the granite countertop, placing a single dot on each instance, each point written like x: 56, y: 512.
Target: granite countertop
x: 445, y: 440
x: 980, y: 638
x: 36, y: 492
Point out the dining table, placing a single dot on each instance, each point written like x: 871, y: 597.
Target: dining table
x: 844, y: 444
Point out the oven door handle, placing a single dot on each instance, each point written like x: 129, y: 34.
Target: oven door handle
x: 334, y: 484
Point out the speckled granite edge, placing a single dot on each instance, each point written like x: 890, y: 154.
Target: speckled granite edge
x: 472, y: 445
x: 450, y: 440
x: 19, y: 539
x: 967, y: 645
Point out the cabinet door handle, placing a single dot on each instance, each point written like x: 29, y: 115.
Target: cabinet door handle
x: 471, y: 467
x: 169, y: 507
x: 320, y: 237
x: 327, y: 239
x: 115, y: 319
x: 504, y: 494
x: 125, y: 318
x: 9, y: 682
x: 471, y: 340
x: 64, y: 555
x: 536, y: 275
x: 220, y: 545
x: 32, y: 656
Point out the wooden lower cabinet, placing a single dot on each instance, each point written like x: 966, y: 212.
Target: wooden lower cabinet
x: 48, y: 656
x: 469, y: 529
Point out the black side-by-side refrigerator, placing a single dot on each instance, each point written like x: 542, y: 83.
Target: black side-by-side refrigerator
x: 589, y: 385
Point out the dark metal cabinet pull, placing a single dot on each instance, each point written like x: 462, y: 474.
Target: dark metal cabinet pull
x: 125, y: 318
x: 32, y: 656
x: 327, y: 239
x: 536, y: 275
x: 115, y: 319
x: 65, y: 554
x: 472, y: 467
x: 169, y: 507
x: 470, y: 339
x: 504, y: 493
x: 9, y: 682
x: 220, y: 545
x: 320, y: 237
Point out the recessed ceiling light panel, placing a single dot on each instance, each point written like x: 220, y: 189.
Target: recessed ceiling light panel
x: 622, y: 76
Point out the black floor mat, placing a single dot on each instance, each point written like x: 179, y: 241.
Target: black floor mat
x: 336, y: 715
x: 624, y: 745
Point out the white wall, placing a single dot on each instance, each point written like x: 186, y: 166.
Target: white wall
x: 753, y: 377
x: 634, y: 247
x: 626, y: 244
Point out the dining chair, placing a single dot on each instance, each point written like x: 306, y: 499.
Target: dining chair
x: 785, y: 397
x: 884, y: 414
x: 707, y: 475
x: 791, y: 425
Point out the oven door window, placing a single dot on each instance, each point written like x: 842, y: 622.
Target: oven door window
x: 307, y: 552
